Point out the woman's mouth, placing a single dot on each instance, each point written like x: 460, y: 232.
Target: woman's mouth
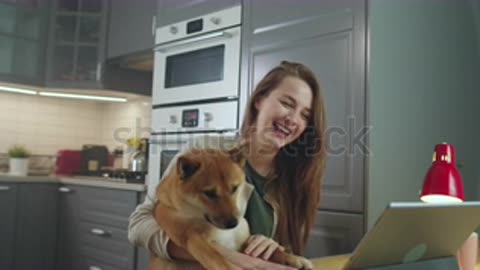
x: 281, y: 131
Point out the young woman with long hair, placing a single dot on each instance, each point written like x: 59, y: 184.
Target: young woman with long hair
x: 283, y: 139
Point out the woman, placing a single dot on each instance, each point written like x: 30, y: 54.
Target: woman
x: 284, y: 136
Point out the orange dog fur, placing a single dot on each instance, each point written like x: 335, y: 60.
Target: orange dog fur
x: 201, y: 202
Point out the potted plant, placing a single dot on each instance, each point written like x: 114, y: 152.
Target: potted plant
x: 18, y: 160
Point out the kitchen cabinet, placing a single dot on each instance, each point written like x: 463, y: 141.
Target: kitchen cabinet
x: 28, y: 227
x: 171, y: 11
x: 8, y: 203
x: 93, y: 234
x: 330, y: 40
x: 23, y: 27
x: 334, y: 233
x: 329, y: 37
x: 36, y: 227
x: 135, y: 34
x: 76, y: 46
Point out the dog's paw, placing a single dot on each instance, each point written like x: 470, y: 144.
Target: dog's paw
x: 299, y: 262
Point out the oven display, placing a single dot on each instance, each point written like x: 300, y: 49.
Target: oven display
x: 195, y: 26
x: 190, y: 118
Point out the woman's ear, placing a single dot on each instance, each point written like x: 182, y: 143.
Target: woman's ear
x: 258, y: 103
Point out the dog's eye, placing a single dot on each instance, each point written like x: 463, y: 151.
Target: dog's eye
x: 234, y: 189
x: 211, y: 194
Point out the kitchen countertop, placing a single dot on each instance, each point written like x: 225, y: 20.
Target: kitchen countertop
x: 74, y: 180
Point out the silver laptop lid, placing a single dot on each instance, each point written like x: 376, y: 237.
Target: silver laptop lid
x: 415, y: 231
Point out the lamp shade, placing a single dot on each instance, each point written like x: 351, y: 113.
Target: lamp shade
x: 443, y: 182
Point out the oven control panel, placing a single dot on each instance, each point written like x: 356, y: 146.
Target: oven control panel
x: 195, y: 118
x: 190, y: 118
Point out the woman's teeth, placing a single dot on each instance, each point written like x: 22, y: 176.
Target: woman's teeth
x: 281, y: 129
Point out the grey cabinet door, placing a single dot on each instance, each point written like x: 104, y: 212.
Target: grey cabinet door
x: 171, y: 11
x: 76, y: 47
x: 334, y: 233
x: 329, y: 39
x: 35, y: 235
x: 8, y: 204
x: 131, y: 26
x: 68, y: 240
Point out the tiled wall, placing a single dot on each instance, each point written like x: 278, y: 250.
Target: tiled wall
x: 46, y: 125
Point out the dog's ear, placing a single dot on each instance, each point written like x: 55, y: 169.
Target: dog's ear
x: 187, y: 167
x: 237, y: 154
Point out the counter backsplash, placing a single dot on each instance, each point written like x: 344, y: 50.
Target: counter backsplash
x: 38, y: 164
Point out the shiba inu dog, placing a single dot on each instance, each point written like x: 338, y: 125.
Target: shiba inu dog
x: 202, y: 200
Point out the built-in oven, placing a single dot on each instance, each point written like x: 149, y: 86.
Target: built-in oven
x: 163, y: 148
x: 198, y: 59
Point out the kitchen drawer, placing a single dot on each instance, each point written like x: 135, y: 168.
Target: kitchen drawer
x: 94, y: 264
x: 106, y: 244
x: 107, y: 206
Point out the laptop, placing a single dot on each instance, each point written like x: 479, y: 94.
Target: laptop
x: 413, y: 232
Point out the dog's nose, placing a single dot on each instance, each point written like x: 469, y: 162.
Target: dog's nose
x: 231, y: 223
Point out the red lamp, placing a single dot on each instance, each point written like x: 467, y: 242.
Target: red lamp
x: 443, y: 182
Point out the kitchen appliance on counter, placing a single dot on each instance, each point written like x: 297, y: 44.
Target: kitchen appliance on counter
x: 68, y: 162
x: 139, y: 158
x: 123, y: 175
x: 94, y: 157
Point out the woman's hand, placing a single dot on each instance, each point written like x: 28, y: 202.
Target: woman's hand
x: 244, y: 261
x: 260, y: 245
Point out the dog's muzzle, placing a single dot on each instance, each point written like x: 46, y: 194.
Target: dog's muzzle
x: 223, y: 223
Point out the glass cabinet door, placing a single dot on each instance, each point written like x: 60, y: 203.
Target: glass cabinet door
x: 87, y: 64
x: 89, y: 31
x: 62, y: 66
x: 77, y: 41
x: 7, y: 18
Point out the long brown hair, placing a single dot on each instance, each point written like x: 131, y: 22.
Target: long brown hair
x: 298, y: 167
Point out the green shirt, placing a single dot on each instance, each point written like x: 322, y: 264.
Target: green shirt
x: 259, y: 213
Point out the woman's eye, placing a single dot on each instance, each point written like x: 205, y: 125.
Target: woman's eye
x: 234, y: 189
x: 211, y: 194
x: 286, y: 104
x: 305, y: 116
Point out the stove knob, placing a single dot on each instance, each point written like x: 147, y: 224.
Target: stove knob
x: 173, y: 119
x: 208, y: 116
x: 173, y: 29
x: 215, y: 20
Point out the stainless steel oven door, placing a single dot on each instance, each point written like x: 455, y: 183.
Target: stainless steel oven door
x: 198, y: 68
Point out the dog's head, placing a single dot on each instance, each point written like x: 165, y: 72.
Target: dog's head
x: 212, y: 184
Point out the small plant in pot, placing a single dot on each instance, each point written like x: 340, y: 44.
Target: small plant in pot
x: 18, y: 160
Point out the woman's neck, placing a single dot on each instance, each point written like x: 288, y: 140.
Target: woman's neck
x: 260, y: 159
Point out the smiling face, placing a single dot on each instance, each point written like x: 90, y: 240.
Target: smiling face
x: 283, y: 114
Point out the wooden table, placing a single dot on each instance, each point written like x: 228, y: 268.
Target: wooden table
x: 337, y: 262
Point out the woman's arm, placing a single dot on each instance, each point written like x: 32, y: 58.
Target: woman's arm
x: 144, y: 231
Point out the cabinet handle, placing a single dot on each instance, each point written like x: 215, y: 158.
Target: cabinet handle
x: 99, y: 232
x: 4, y: 188
x: 93, y: 267
x: 164, y: 48
x: 154, y: 25
x: 99, y: 71
x: 64, y: 189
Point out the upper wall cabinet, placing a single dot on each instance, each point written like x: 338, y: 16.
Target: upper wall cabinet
x: 131, y: 27
x: 23, y: 27
x: 171, y: 11
x: 76, y: 49
x: 329, y: 37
